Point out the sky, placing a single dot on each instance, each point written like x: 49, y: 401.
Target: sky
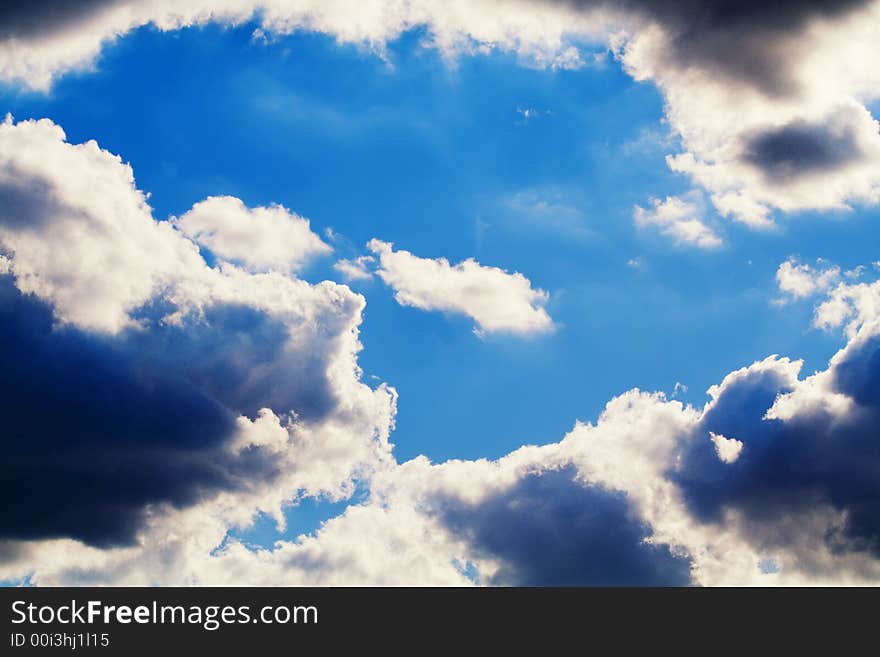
x: 512, y: 292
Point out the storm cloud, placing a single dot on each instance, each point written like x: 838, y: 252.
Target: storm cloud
x: 91, y: 436
x: 549, y: 529
x: 748, y: 42
x: 136, y: 377
x: 793, y: 468
x: 27, y: 18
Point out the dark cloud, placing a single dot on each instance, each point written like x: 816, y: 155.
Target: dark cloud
x: 551, y: 530
x: 788, y: 469
x: 801, y: 147
x: 94, y: 431
x: 235, y: 355
x: 749, y: 42
x: 25, y: 18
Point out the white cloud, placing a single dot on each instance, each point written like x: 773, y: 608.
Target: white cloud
x: 803, y: 280
x: 533, y: 31
x: 498, y: 301
x: 356, y: 269
x: 728, y: 449
x: 843, y: 302
x: 680, y: 219
x: 853, y: 304
x: 104, y: 255
x: 261, y: 239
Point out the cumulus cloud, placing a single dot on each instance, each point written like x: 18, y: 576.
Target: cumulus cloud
x: 261, y: 239
x: 548, y: 529
x: 803, y: 280
x: 91, y: 436
x: 44, y: 40
x: 140, y: 379
x: 680, y: 219
x: 81, y: 233
x: 355, y: 269
x: 498, y: 301
x: 727, y: 449
x: 843, y: 301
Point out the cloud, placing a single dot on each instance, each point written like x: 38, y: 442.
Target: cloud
x: 499, y: 302
x: 548, y: 529
x: 803, y: 280
x: 261, y: 239
x: 843, y: 302
x: 702, y: 35
x: 142, y: 381
x: 104, y: 255
x: 799, y: 483
x: 34, y: 17
x: 727, y: 449
x: 357, y: 269
x: 854, y: 305
x: 92, y: 436
x: 680, y: 219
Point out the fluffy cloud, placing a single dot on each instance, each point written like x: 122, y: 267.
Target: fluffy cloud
x: 356, y: 269
x: 40, y: 41
x: 261, y: 239
x: 140, y: 380
x: 495, y: 299
x: 853, y: 305
x: 680, y: 219
x: 82, y: 235
x: 727, y: 449
x: 845, y: 302
x: 803, y: 280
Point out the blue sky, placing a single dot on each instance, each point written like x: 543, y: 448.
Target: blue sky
x: 527, y: 168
